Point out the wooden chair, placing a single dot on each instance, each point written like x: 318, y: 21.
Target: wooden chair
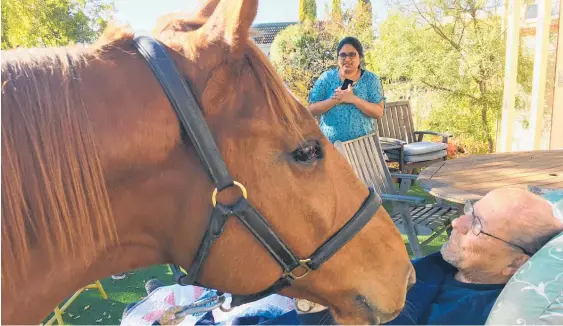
x: 409, y: 213
x: 58, y: 312
x: 397, y: 124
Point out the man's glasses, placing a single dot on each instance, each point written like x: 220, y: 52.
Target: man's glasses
x: 477, y: 227
x: 344, y: 55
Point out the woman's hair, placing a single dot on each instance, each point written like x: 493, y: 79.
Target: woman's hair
x: 353, y: 42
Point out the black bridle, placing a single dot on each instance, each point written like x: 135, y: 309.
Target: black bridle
x: 193, y: 123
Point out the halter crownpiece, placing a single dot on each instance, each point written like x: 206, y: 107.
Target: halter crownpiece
x: 195, y: 126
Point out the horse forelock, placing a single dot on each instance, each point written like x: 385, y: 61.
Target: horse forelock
x: 283, y: 107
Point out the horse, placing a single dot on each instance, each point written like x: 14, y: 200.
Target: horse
x: 98, y: 176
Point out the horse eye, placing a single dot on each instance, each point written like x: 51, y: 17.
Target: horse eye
x: 308, y: 153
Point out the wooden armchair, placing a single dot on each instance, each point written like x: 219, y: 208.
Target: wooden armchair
x: 409, y: 213
x: 397, y: 124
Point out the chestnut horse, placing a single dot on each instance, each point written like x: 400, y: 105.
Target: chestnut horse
x: 98, y: 177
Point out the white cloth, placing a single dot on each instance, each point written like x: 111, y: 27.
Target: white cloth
x: 151, y: 308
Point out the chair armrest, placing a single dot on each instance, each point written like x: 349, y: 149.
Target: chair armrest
x: 394, y: 141
x: 391, y: 144
x: 404, y: 199
x: 386, y: 148
x: 444, y: 135
x: 404, y: 176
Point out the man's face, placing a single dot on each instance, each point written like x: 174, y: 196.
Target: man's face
x: 475, y: 252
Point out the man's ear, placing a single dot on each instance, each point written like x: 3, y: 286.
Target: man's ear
x: 513, y: 267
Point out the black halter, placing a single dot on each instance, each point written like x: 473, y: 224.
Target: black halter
x: 194, y: 124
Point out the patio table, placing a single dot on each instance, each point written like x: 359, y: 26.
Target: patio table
x: 471, y: 177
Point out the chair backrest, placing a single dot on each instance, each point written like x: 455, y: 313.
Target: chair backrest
x: 397, y: 122
x: 366, y: 157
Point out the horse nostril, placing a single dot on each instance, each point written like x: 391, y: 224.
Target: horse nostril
x: 371, y: 310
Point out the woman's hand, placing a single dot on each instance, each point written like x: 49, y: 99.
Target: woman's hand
x: 344, y: 96
x: 374, y: 110
x: 336, y: 96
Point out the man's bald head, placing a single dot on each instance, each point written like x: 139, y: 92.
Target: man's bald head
x: 489, y: 243
x: 527, y: 218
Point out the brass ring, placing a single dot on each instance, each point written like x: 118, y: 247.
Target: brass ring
x: 225, y: 309
x: 236, y: 183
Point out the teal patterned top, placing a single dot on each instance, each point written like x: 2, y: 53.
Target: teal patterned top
x: 344, y: 121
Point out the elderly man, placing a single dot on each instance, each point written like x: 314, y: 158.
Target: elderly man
x: 488, y: 243
x: 460, y: 284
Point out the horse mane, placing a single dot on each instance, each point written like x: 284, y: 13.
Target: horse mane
x: 54, y: 193
x: 283, y: 106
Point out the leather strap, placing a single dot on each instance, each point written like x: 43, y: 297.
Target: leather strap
x: 326, y: 250
x: 186, y: 107
x: 214, y: 229
x: 193, y: 122
x: 282, y: 283
x: 256, y: 223
x: 348, y: 231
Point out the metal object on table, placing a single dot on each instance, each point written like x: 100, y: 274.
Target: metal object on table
x: 204, y: 305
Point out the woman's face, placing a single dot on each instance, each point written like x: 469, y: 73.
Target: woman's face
x: 348, y: 59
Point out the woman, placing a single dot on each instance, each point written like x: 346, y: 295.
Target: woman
x: 347, y: 114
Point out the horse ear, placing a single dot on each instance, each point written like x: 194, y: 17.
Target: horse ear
x: 230, y: 23
x: 206, y: 9
x: 183, y: 22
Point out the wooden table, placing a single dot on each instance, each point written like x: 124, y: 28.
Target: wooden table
x: 471, y: 177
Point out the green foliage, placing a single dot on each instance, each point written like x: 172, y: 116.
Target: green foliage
x: 455, y: 50
x: 301, y: 53
x: 48, y: 23
x: 336, y: 11
x: 362, y: 22
x: 307, y: 10
x: 357, y: 22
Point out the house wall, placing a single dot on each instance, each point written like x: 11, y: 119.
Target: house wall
x: 265, y: 48
x: 516, y: 132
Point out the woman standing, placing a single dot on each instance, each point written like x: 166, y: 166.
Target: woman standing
x: 347, y: 114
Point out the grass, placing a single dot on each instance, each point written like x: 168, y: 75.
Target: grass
x: 90, y: 309
x: 433, y: 246
x: 437, y: 242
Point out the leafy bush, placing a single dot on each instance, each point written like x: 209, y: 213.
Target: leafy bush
x: 455, y: 55
x: 301, y: 53
x: 47, y: 23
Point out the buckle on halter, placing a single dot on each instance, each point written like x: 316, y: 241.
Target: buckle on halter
x: 236, y: 183
x: 303, y: 263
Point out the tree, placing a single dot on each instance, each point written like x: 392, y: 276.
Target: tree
x: 336, y: 11
x: 46, y: 23
x: 362, y: 22
x: 456, y: 50
x: 366, y: 4
x: 307, y: 10
x: 301, y: 53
